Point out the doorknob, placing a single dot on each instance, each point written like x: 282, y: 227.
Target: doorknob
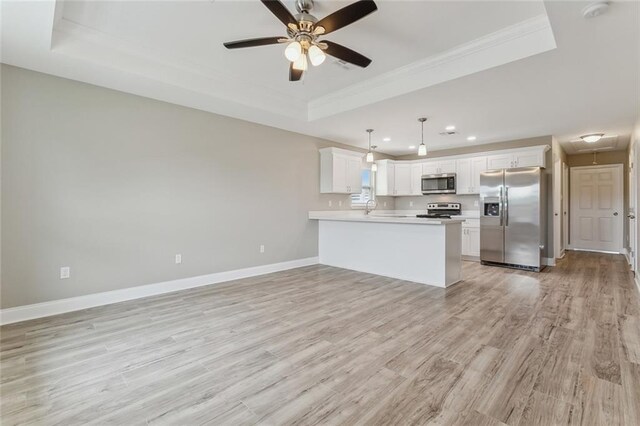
x: 630, y: 216
x: 615, y: 213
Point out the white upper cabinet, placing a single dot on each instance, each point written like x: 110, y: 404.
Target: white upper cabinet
x: 385, y: 181
x: 499, y: 161
x: 402, y: 179
x: 463, y: 176
x: 340, y: 171
x: 437, y: 167
x: 478, y: 165
x: 447, y: 166
x: 529, y: 159
x: 416, y: 179
x: 468, y: 172
x: 533, y: 157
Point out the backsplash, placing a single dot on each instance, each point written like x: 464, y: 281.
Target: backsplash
x: 420, y: 202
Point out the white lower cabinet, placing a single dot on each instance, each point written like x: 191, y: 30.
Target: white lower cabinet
x: 471, y: 238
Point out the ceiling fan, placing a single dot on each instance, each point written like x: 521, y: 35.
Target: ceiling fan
x: 304, y: 31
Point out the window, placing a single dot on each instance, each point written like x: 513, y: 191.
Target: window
x: 360, y: 200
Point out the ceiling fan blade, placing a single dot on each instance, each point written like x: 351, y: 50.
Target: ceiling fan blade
x: 294, y: 75
x: 346, y: 54
x: 347, y: 15
x: 253, y: 42
x: 280, y: 10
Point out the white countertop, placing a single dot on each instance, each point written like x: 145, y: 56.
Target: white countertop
x: 381, y: 216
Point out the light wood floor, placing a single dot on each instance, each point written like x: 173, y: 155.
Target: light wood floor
x: 320, y: 345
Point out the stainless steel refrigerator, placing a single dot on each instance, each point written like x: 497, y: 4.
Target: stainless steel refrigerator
x: 512, y: 217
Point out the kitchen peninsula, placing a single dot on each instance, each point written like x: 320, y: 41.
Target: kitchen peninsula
x: 427, y: 251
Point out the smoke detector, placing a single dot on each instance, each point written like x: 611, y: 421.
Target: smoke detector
x: 595, y: 9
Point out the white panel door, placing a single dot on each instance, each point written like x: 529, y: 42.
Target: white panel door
x: 416, y: 179
x: 596, y: 208
x: 403, y: 179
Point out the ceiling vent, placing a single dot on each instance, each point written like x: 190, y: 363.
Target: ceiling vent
x: 448, y: 133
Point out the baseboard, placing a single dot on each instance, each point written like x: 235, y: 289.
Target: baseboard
x: 55, y: 307
x: 548, y: 261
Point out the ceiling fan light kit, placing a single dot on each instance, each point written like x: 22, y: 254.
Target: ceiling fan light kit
x: 304, y: 31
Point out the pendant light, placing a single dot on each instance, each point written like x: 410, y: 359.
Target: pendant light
x: 374, y: 166
x: 369, y: 153
x: 422, y: 149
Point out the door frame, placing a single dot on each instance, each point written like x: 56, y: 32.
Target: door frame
x: 632, y: 238
x: 565, y: 207
x: 557, y: 207
x: 620, y: 176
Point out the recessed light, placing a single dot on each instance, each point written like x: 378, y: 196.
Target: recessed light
x: 412, y: 147
x: 386, y: 140
x: 450, y: 128
x: 471, y: 138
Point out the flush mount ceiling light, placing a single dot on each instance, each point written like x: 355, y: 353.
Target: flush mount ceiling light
x: 386, y: 140
x: 304, y: 31
x: 595, y: 9
x: 450, y: 128
x: 471, y: 138
x: 370, y: 153
x: 422, y: 149
x: 592, y: 137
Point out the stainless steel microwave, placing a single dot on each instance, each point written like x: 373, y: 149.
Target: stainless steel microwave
x: 439, y: 184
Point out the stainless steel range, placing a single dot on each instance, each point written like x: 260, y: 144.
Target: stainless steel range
x: 442, y: 210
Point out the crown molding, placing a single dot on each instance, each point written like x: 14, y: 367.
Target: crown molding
x: 518, y: 41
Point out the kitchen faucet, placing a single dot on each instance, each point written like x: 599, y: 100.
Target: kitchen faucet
x: 368, y: 210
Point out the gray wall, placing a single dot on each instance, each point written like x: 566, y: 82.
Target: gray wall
x: 114, y: 185
x: 468, y: 201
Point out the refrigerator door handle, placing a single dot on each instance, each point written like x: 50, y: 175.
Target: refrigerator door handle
x: 506, y: 206
x: 501, y: 209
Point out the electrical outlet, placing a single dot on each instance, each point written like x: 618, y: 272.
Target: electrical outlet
x: 65, y: 272
x: 261, y: 248
x: 340, y: 203
x: 330, y: 203
x: 476, y: 203
x: 410, y: 203
x: 178, y: 259
x: 385, y: 204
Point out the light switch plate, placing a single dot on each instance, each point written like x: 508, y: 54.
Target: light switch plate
x: 178, y: 259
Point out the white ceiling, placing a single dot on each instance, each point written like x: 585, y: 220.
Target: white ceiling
x: 497, y: 70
